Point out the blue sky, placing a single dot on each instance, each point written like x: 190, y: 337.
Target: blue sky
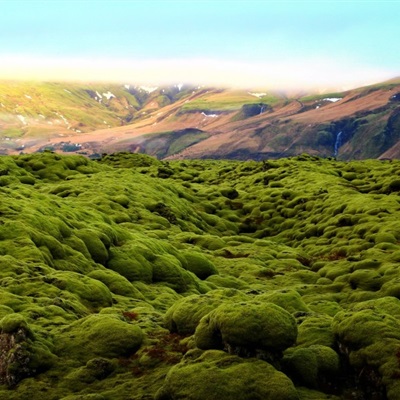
x: 244, y: 43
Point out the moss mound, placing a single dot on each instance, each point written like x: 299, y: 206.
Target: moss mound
x: 184, y: 316
x: 216, y: 375
x: 315, y: 366
x: 199, y: 265
x: 99, y: 335
x: 22, y: 353
x: 245, y: 327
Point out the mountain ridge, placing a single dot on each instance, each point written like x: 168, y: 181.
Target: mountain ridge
x: 93, y: 119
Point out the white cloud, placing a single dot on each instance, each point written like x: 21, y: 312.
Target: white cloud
x: 318, y: 73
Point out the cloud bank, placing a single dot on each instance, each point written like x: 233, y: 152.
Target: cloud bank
x: 318, y: 74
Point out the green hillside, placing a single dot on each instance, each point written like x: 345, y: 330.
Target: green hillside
x: 132, y: 278
x: 70, y: 106
x: 229, y: 100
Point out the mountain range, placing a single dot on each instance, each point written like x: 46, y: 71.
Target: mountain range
x: 188, y: 121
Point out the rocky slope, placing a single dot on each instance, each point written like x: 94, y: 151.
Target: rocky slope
x: 132, y: 278
x: 185, y: 121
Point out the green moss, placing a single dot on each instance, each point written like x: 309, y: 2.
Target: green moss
x: 168, y: 269
x: 315, y: 330
x: 391, y: 288
x: 385, y: 237
x: 129, y: 160
x: 167, y: 251
x: 78, y: 244
x: 362, y: 328
x: 315, y: 366
x: 90, y: 396
x: 227, y: 281
x: 184, y: 316
x: 122, y: 200
x: 365, y: 279
x: 230, y: 193
x: 95, y: 370
x: 330, y: 308
x: 11, y: 323
x: 116, y: 283
x: 216, y: 375
x: 54, y: 247
x: 247, y: 325
x: 310, y: 394
x: 359, y: 333
x: 23, y: 353
x: 99, y: 335
x: 4, y: 310
x: 91, y: 292
x: 94, y: 245
x: 130, y: 262
x: 199, y: 265
x: 208, y: 242
x: 27, y: 180
x: 290, y: 300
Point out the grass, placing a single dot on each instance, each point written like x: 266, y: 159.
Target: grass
x: 12, y: 133
x: 227, y: 101
x: 47, y: 102
x: 316, y: 97
x: 164, y: 144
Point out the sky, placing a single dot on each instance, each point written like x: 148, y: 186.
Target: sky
x: 244, y: 43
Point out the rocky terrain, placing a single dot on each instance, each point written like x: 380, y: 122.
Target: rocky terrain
x: 128, y: 277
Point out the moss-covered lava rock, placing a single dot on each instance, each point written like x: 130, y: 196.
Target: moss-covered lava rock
x: 99, y: 335
x: 119, y: 272
x: 247, y: 327
x: 216, y: 375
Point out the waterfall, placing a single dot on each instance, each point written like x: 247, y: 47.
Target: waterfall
x: 262, y: 108
x: 337, y: 143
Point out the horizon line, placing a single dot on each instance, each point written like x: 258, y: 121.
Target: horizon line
x: 307, y: 74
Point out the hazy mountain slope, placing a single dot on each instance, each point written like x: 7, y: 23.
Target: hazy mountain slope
x: 312, y: 125
x: 184, y: 121
x: 32, y: 114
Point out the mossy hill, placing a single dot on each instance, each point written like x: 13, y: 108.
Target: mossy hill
x: 132, y: 278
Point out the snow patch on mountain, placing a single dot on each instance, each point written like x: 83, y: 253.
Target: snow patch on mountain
x: 148, y: 89
x: 108, y: 95
x: 63, y: 119
x: 332, y: 99
x: 22, y: 119
x: 209, y: 115
x: 259, y: 95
